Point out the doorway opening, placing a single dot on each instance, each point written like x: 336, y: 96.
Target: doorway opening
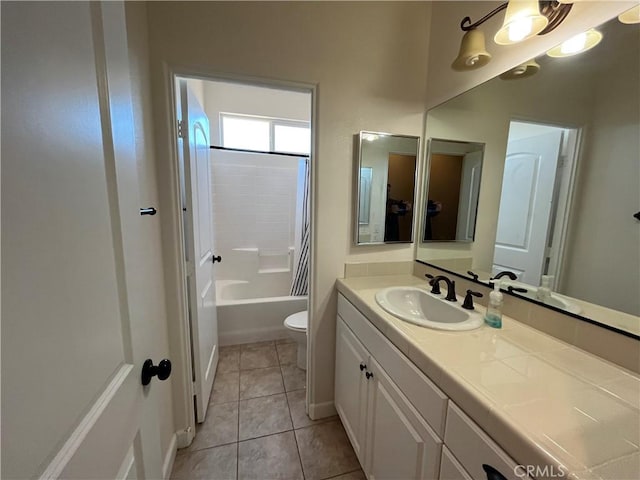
x: 537, y: 185
x: 245, y: 168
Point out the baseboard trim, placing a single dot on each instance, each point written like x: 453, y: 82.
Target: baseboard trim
x: 322, y: 410
x: 252, y: 335
x: 170, y: 457
x: 184, y: 438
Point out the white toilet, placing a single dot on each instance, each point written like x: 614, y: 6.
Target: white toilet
x: 296, y: 324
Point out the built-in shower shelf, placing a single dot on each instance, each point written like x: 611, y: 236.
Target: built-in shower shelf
x: 274, y: 270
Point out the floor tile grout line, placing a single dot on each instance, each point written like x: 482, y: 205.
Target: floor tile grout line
x: 295, y: 438
x: 345, y: 473
x: 238, y: 437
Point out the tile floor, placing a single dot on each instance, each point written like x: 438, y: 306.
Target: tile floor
x: 256, y: 426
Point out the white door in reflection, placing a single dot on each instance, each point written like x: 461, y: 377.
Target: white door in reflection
x: 526, y: 205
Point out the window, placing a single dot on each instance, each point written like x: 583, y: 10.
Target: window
x: 265, y: 134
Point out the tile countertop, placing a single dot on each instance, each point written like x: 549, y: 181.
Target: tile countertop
x: 543, y: 401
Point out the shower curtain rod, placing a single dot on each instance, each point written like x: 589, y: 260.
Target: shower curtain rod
x: 297, y: 155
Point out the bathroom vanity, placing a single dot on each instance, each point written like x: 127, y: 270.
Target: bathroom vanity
x: 419, y: 403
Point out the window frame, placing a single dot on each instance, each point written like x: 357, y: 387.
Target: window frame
x: 273, y: 122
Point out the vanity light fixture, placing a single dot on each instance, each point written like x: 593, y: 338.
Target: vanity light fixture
x: 631, y: 16
x: 577, y: 44
x: 473, y: 53
x: 524, y: 70
x: 523, y: 19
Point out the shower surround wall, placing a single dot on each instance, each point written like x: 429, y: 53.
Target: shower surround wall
x: 254, y: 205
x: 254, y: 208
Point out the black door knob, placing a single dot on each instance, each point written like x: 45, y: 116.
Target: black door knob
x: 369, y: 375
x: 363, y: 366
x: 492, y: 473
x: 217, y: 259
x: 149, y: 370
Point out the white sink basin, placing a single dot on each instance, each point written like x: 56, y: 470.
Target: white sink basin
x: 417, y: 306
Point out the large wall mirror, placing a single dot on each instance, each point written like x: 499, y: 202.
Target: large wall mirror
x: 452, y: 190
x: 386, y: 180
x: 560, y: 188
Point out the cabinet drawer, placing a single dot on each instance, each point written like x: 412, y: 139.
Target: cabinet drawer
x: 473, y: 448
x: 423, y: 394
x: 450, y: 468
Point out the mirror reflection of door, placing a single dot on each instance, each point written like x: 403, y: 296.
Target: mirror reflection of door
x: 400, y: 188
x: 452, y: 196
x: 531, y: 208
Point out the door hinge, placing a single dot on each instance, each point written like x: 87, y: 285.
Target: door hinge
x: 182, y: 129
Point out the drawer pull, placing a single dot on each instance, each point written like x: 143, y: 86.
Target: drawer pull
x: 369, y: 375
x: 363, y: 366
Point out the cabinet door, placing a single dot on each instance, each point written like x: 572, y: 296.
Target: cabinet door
x: 401, y: 445
x: 351, y: 386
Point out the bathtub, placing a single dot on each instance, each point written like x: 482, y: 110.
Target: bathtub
x: 250, y: 311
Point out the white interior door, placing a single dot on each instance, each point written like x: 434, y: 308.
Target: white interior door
x: 199, y: 247
x: 72, y: 402
x: 525, y: 205
x: 469, y: 189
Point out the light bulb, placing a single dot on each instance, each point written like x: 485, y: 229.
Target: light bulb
x: 520, y: 29
x: 574, y: 44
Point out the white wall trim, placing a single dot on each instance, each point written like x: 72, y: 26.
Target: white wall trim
x: 170, y: 457
x: 74, y: 442
x: 322, y: 410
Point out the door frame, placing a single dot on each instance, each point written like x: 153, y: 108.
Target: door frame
x: 175, y: 264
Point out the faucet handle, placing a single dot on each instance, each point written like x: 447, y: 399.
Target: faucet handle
x: 435, y: 286
x: 473, y: 275
x: 512, y: 289
x: 468, y: 299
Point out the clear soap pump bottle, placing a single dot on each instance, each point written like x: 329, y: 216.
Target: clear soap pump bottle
x: 493, y: 317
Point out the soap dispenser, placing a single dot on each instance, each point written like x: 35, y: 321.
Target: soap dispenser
x: 493, y: 317
x: 544, y: 290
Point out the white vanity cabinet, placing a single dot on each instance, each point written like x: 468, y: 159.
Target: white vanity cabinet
x: 388, y: 435
x: 401, y: 425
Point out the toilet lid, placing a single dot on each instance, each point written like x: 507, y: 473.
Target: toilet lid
x: 297, y: 320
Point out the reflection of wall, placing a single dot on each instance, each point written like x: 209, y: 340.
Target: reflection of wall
x: 401, y: 176
x: 444, y: 187
x: 605, y: 238
x: 483, y: 115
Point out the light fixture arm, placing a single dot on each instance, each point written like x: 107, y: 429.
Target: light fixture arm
x: 552, y: 9
x: 471, y: 26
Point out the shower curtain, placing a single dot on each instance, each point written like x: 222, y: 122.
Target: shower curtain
x: 300, y: 284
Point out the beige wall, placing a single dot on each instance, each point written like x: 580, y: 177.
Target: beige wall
x: 604, y: 237
x: 368, y: 62
x: 154, y: 306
